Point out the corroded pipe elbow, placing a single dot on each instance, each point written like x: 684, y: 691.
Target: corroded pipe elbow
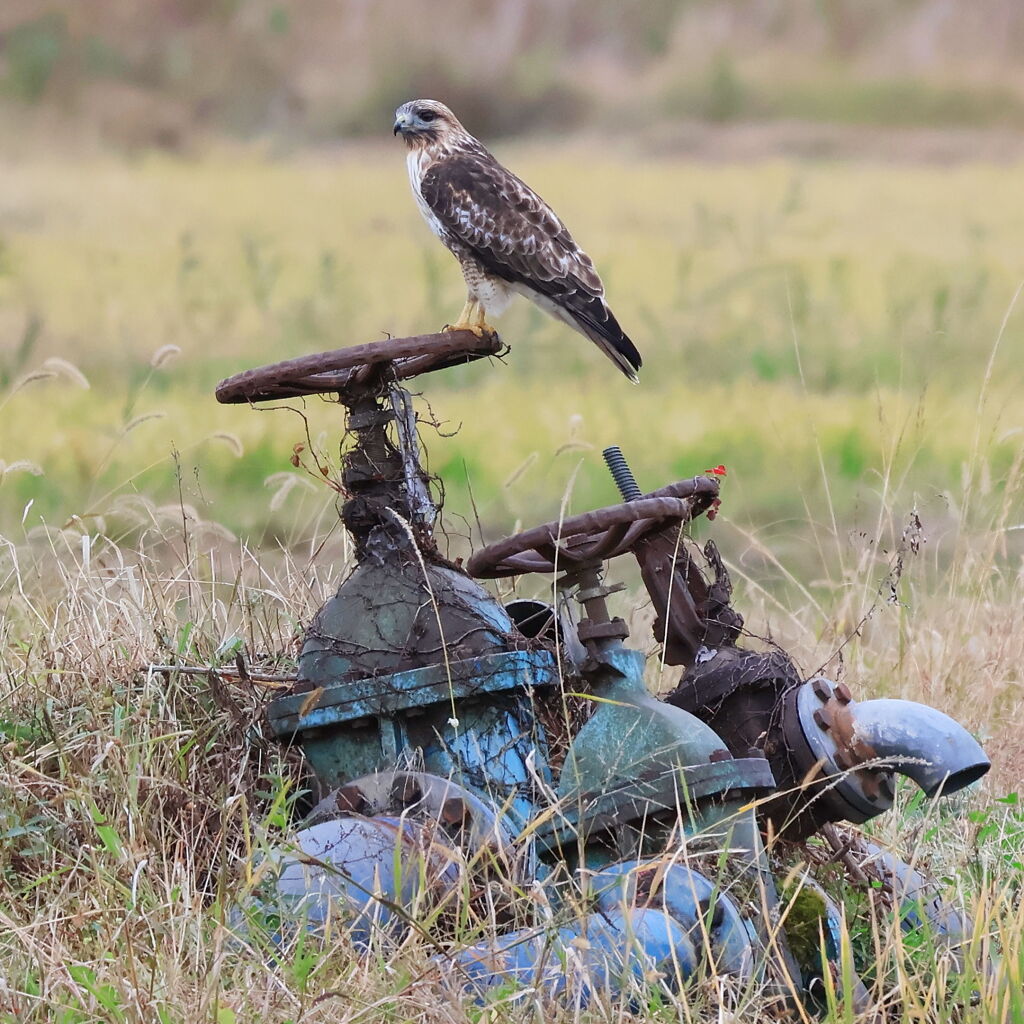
x: 938, y: 753
x: 834, y: 757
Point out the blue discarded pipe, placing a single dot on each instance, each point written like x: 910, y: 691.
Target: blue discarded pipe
x: 602, y: 952
x: 356, y: 871
x: 709, y: 916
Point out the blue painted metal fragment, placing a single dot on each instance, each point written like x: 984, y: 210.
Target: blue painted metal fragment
x: 710, y: 917
x: 473, y: 721
x: 417, y: 839
x: 360, y: 876
x: 606, y: 952
x: 447, y: 683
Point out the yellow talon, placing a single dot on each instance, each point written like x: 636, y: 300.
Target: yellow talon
x: 480, y: 326
x: 471, y: 319
x: 480, y: 330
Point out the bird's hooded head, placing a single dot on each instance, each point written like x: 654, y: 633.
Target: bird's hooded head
x: 426, y: 122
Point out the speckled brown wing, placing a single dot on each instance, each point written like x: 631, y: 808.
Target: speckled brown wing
x: 502, y: 223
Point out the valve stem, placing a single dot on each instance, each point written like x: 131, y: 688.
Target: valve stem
x: 621, y: 473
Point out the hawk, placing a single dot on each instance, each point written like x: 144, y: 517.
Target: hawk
x: 507, y: 239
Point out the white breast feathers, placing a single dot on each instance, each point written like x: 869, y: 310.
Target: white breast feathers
x: 418, y: 161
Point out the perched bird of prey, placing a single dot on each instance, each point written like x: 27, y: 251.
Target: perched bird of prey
x: 504, y: 235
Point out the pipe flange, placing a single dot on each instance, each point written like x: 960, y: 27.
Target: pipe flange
x: 817, y: 724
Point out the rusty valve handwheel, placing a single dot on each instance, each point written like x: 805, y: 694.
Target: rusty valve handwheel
x: 593, y: 536
x: 354, y: 367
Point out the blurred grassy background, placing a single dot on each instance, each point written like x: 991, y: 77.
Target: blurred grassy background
x: 158, y: 73
x: 212, y: 186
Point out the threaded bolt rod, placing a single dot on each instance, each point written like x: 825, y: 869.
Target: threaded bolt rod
x: 621, y: 473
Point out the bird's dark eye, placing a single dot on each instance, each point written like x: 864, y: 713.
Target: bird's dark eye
x: 428, y: 116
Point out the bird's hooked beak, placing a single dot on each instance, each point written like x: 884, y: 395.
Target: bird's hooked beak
x: 401, y: 123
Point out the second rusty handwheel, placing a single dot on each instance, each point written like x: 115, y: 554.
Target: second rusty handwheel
x: 593, y: 536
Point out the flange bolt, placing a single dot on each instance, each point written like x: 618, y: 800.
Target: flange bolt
x: 621, y: 473
x: 821, y: 689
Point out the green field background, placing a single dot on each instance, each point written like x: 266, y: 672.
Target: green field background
x: 841, y: 336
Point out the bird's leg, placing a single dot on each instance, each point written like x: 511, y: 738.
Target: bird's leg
x: 465, y: 320
x: 480, y: 326
x: 472, y: 318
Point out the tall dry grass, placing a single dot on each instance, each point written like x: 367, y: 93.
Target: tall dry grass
x: 135, y: 804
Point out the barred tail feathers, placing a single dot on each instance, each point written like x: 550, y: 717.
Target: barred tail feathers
x: 592, y: 318
x: 588, y: 315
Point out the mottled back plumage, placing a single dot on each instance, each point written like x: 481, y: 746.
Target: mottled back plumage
x: 504, y: 235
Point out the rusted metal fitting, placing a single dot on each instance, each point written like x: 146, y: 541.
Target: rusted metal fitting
x: 853, y: 748
x: 823, y: 747
x: 613, y: 629
x: 844, y: 761
x: 600, y: 591
x: 454, y: 812
x: 406, y: 791
x: 821, y: 689
x: 351, y: 800
x: 365, y: 419
x: 840, y: 718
